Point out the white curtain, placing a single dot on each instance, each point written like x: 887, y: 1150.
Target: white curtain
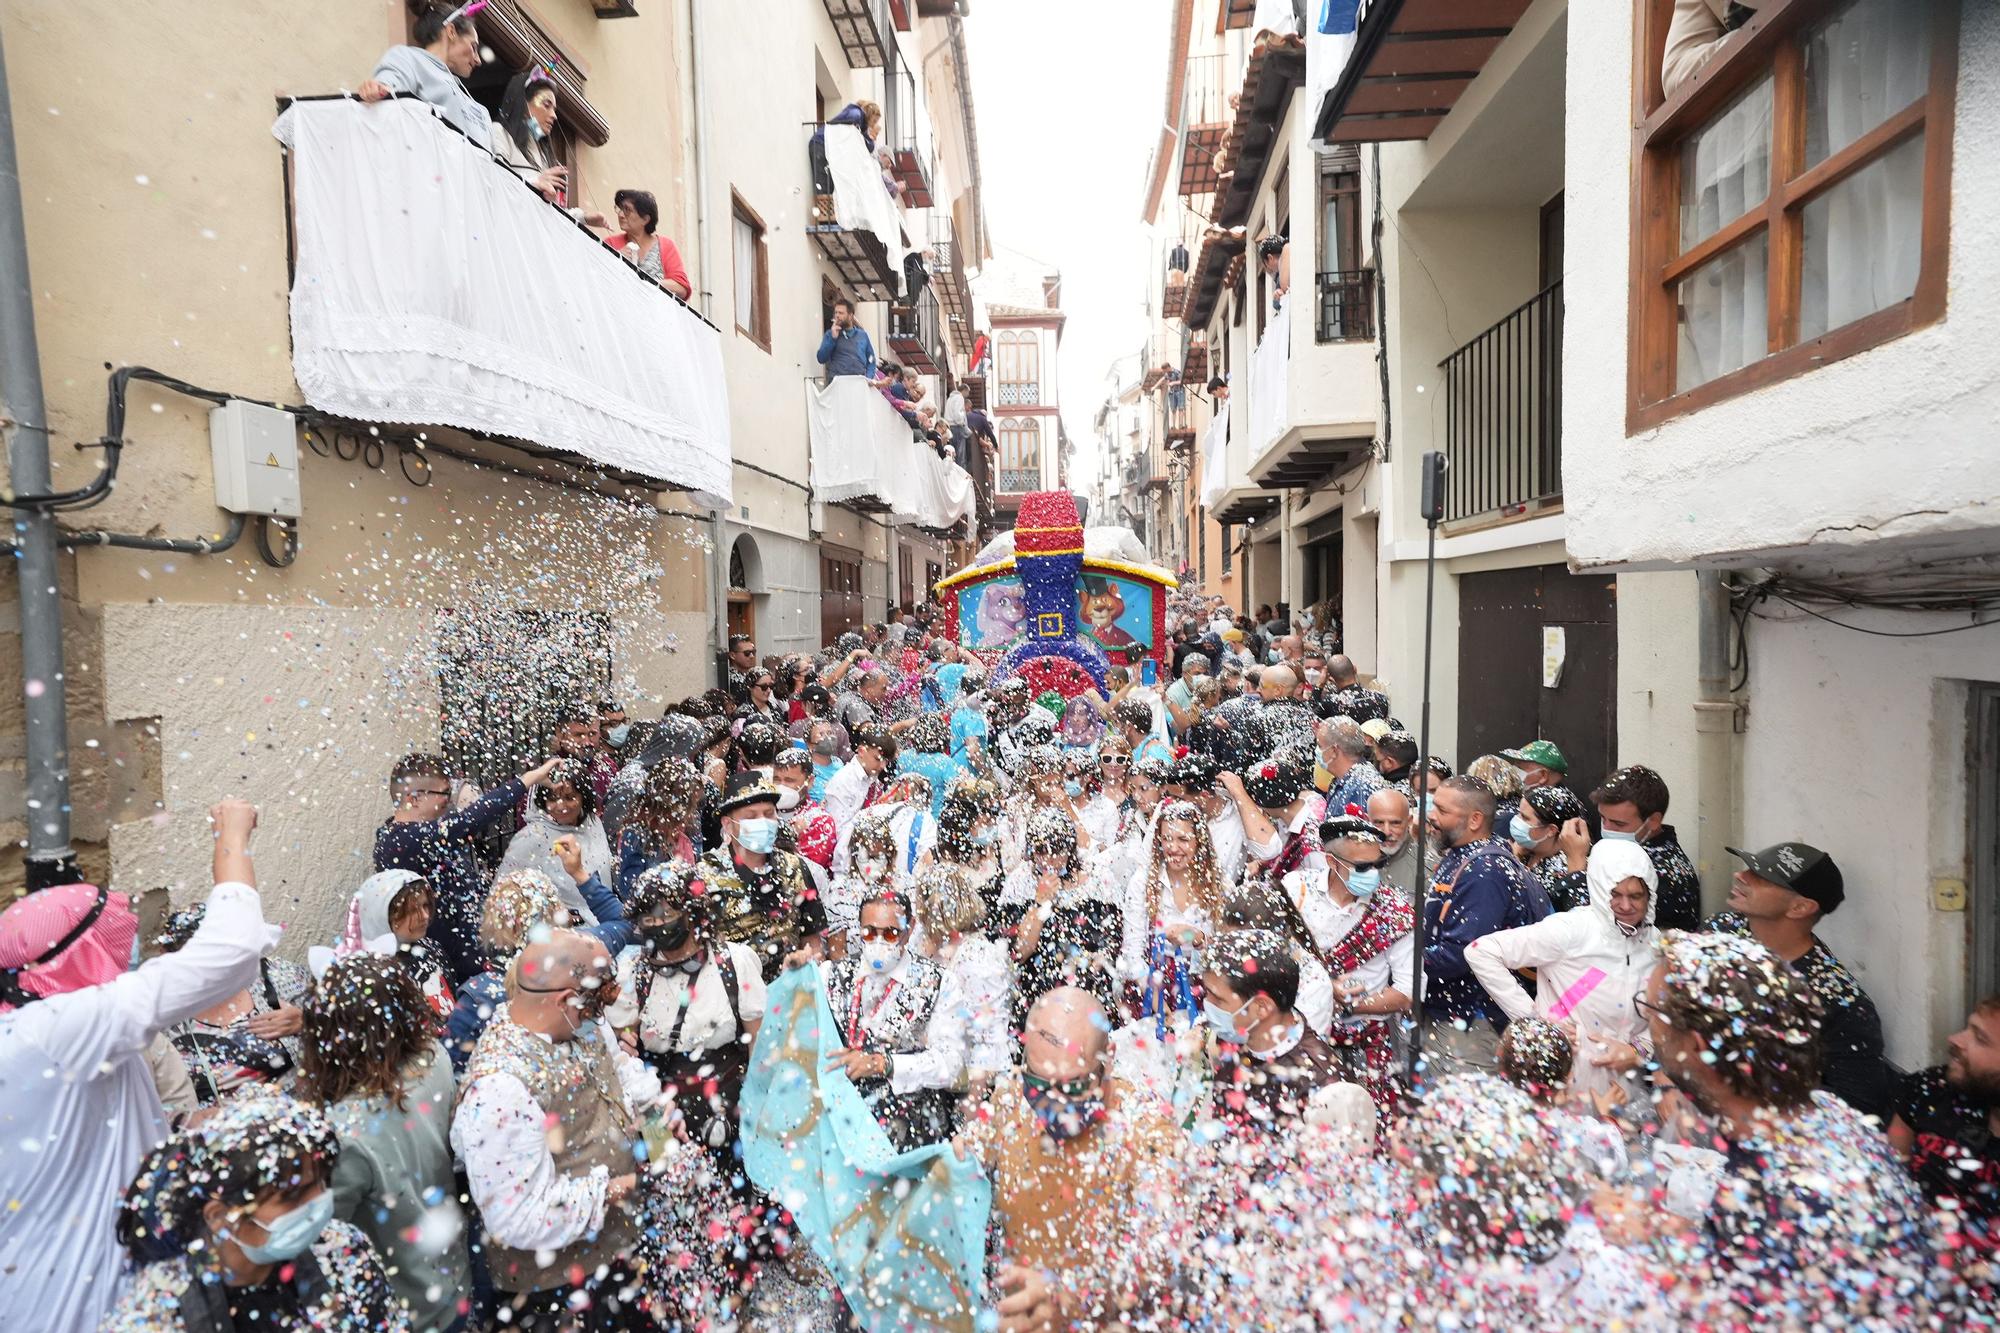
x: 745, y: 239
x: 1725, y: 172
x: 1863, y: 236
x: 862, y: 446
x: 1724, y: 320
x: 860, y: 200
x: 433, y: 288
x: 1726, y: 166
x: 1215, y: 460
x: 1268, y: 366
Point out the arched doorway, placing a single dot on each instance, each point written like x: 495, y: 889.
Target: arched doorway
x: 746, y: 581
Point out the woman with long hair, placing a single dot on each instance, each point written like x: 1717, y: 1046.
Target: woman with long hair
x: 1171, y: 908
x: 371, y: 1059
x: 969, y: 838
x: 1064, y: 923
x: 874, y: 867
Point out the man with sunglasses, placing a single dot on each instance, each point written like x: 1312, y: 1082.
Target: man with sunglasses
x: 902, y: 1023
x: 555, y: 1206
x: 1082, y: 1172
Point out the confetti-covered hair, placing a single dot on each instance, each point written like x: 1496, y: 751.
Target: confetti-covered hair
x: 1498, y: 774
x: 874, y: 831
x: 670, y: 887
x: 1554, y: 805
x: 1205, y: 876
x: 1040, y: 762
x: 930, y: 733
x: 668, y: 801
x: 948, y: 903
x: 515, y: 905
x: 1052, y: 830
x: 966, y: 801
x: 1757, y: 1018
x: 366, y: 1021
x: 251, y: 1145
x: 1497, y: 1176
x: 1536, y: 1056
x: 1155, y: 768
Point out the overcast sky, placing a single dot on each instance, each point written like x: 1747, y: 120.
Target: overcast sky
x: 1068, y: 95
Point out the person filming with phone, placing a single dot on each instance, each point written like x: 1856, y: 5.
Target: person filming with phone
x: 846, y: 348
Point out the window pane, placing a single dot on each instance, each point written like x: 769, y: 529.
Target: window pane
x: 1862, y: 68
x: 1726, y: 164
x: 1863, y: 241
x: 1723, y: 322
x: 746, y: 275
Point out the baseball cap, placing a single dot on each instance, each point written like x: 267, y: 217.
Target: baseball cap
x: 1802, y: 868
x: 1544, y: 753
x: 1375, y: 728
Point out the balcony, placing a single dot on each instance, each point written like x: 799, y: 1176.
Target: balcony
x: 1219, y: 250
x: 1277, y: 69
x: 1503, y: 415
x: 854, y: 221
x: 1238, y: 13
x: 1194, y: 360
x: 1346, y: 306
x: 912, y: 156
x: 1176, y: 417
x: 865, y: 30
x: 863, y: 456
x: 954, y: 292
x: 401, y: 314
x: 913, y: 334
x: 1412, y: 60
x: 1205, y: 118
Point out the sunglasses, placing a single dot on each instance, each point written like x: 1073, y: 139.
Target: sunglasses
x: 1069, y: 1089
x: 1119, y: 759
x: 886, y: 934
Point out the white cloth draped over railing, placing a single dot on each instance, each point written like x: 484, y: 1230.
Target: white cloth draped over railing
x: 861, y: 202
x: 432, y: 287
x: 861, y: 446
x: 1268, y: 367
x: 1215, y: 459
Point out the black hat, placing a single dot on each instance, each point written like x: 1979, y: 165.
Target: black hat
x: 1196, y: 772
x: 1349, y: 826
x: 748, y: 788
x: 1274, y: 783
x: 1803, y: 869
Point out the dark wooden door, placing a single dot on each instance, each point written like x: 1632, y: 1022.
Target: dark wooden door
x: 1501, y: 700
x: 840, y: 593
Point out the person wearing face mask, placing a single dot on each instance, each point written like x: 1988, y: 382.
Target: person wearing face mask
x: 1479, y: 887
x: 1344, y: 770
x: 1064, y: 924
x: 1549, y: 836
x: 760, y: 894
x: 231, y: 1226
x: 1588, y: 964
x: 873, y: 868
x: 1083, y: 1173
x: 903, y: 1028
x: 522, y: 140
x: 968, y: 840
x: 689, y: 1006
x: 1267, y: 1062
x: 1396, y: 760
x: 1632, y: 807
x: 1359, y: 930
x: 557, y: 1207
x: 813, y: 831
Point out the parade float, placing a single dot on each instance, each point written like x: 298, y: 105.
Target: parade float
x: 1056, y: 603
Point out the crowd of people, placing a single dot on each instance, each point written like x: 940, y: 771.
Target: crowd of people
x: 1170, y: 963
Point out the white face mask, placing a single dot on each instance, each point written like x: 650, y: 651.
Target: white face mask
x: 788, y: 798
x: 880, y: 957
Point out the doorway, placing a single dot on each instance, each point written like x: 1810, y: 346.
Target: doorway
x: 839, y: 592
x: 1984, y: 852
x: 1502, y: 701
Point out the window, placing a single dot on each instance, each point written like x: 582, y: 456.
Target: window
x: 1020, y: 364
x: 753, y: 276
x: 906, y: 578
x: 839, y: 593
x: 504, y: 678
x: 1340, y: 211
x: 1020, y: 455
x: 1228, y: 556
x: 1792, y: 197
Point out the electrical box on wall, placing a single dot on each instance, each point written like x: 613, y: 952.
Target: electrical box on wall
x: 256, y: 458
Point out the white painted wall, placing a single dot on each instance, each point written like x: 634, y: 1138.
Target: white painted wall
x: 1896, y: 442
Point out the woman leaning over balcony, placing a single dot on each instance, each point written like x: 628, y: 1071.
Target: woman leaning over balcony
x: 656, y: 256
x: 522, y: 140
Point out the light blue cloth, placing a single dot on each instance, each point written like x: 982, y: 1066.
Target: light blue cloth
x: 966, y: 724
x: 940, y: 769
x: 904, y: 1234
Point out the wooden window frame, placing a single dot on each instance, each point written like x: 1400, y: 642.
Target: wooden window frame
x: 1769, y: 42
x: 1018, y: 357
x: 760, y: 305
x: 1339, y: 185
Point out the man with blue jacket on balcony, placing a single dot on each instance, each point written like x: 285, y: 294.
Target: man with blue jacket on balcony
x: 444, y: 51
x: 846, y: 349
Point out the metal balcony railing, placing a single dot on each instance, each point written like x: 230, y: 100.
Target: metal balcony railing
x: 1205, y: 117
x: 914, y: 333
x: 1503, y: 413
x: 912, y: 157
x: 1347, y: 306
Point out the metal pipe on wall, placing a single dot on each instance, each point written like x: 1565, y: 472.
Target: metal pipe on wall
x: 50, y: 857
x: 1715, y: 719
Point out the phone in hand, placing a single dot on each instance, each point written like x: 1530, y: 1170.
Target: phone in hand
x: 1149, y: 672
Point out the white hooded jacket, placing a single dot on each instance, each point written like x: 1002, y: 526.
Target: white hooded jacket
x: 1566, y: 949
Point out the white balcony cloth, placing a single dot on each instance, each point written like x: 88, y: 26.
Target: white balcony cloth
x: 862, y: 446
x: 860, y: 201
x: 433, y: 288
x: 1215, y: 459
x: 1268, y: 367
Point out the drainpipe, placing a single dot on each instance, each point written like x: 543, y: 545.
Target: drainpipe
x: 1715, y: 720
x: 51, y: 860
x: 718, y: 536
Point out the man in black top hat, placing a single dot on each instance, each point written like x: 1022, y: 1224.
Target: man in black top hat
x: 1778, y: 897
x: 759, y: 894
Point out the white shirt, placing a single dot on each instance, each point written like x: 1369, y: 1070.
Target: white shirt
x: 954, y: 408
x: 845, y: 797
x: 1134, y: 954
x: 1226, y: 832
x: 1330, y: 922
x: 1308, y: 817
x: 500, y: 1135
x: 708, y: 1024
x: 942, y: 1060
x: 79, y: 1109
x: 985, y: 976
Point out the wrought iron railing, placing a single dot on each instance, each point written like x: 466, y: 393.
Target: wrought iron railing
x: 1503, y: 412
x: 919, y: 325
x: 1347, y: 306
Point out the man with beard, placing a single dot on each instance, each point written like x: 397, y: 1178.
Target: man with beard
x: 1812, y: 1212
x: 1389, y: 810
x: 759, y: 894
x: 1480, y: 887
x: 1946, y: 1123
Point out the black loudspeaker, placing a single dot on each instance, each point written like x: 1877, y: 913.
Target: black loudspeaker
x: 1433, y: 499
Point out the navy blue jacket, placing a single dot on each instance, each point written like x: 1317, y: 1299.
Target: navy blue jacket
x: 1478, y: 888
x: 441, y: 850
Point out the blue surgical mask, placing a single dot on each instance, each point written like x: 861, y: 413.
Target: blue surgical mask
x: 286, y: 1237
x: 1072, y: 788
x: 1362, y: 881
x: 983, y: 837
x: 1616, y: 835
x: 535, y: 130
x: 617, y: 734
x: 1224, y: 1021
x: 757, y: 835
x: 1521, y: 831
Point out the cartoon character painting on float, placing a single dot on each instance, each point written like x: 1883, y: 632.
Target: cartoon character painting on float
x: 1116, y: 613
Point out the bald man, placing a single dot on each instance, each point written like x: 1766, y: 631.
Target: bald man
x: 555, y: 1206
x: 1080, y: 1164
